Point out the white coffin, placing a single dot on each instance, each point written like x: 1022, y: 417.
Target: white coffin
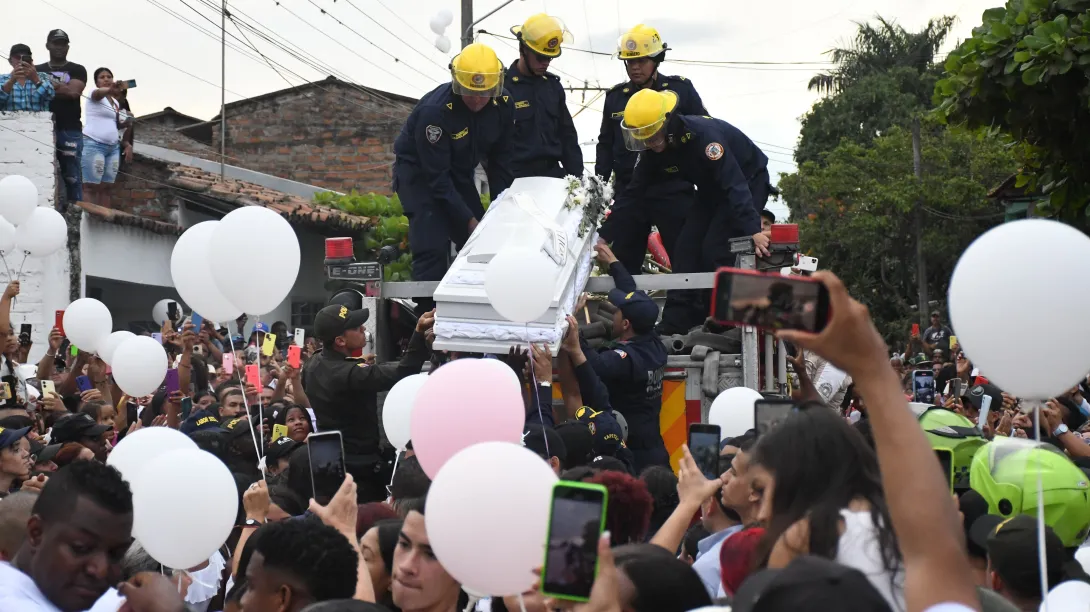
x: 531, y: 212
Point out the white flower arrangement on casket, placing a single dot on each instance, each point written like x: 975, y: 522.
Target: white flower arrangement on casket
x: 593, y: 194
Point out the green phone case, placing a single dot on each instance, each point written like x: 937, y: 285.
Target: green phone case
x: 566, y: 484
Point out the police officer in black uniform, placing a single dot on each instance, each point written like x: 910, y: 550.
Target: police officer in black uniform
x: 545, y: 141
x: 343, y: 390
x: 632, y: 368
x: 667, y: 203
x: 453, y: 128
x: 722, y: 162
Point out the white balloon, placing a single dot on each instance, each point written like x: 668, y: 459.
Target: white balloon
x: 87, y: 323
x: 519, y: 283
x: 492, y: 540
x: 43, y: 233
x: 160, y: 311
x: 442, y: 43
x: 436, y: 24
x: 732, y: 411
x: 7, y: 236
x: 1057, y: 344
x: 136, y: 450
x: 397, y: 409
x: 18, y: 198
x: 445, y: 17
x: 257, y: 279
x: 113, y: 341
x: 139, y: 366
x: 1070, y: 596
x: 190, y: 268
x: 162, y: 498
x: 1083, y: 557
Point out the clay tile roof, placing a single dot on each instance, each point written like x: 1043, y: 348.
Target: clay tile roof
x: 119, y: 217
x: 295, y: 209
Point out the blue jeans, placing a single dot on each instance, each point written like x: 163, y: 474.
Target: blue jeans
x: 99, y: 161
x: 69, y: 157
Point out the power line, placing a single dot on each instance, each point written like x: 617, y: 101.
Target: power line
x: 396, y: 59
x: 402, y: 20
x: 723, y: 64
x: 768, y: 144
x: 387, y: 30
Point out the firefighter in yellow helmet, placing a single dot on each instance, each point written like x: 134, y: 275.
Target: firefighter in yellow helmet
x: 545, y: 142
x: 642, y: 50
x: 722, y: 162
x: 453, y: 128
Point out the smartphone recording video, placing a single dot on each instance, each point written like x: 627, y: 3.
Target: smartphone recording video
x: 704, y: 447
x: 768, y: 413
x: 923, y: 387
x: 327, y: 470
x: 769, y: 301
x: 576, y: 520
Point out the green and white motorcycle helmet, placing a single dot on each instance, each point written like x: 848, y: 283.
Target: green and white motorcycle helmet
x: 949, y: 431
x: 1005, y: 473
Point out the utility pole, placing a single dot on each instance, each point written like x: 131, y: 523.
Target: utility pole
x: 223, y: 91
x: 921, y: 263
x: 467, y: 23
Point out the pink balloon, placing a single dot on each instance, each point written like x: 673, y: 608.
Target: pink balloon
x: 463, y: 403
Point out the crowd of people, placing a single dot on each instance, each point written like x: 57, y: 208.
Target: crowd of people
x: 88, y: 153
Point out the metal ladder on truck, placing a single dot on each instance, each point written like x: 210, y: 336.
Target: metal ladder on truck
x: 692, y: 380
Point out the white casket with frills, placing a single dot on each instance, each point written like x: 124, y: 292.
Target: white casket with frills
x: 560, y: 215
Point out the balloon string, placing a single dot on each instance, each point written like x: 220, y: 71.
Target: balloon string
x: 19, y: 274
x: 246, y: 403
x: 536, y: 398
x: 472, y: 602
x: 397, y: 457
x: 1042, y: 561
x: 6, y: 268
x: 522, y: 604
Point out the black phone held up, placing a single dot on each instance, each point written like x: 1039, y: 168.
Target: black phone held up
x: 923, y: 387
x: 172, y: 311
x: 768, y: 413
x: 769, y: 300
x: 704, y: 447
x: 327, y: 471
x: 24, y: 334
x: 576, y: 520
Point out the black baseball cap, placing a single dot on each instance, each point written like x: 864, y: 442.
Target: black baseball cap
x: 334, y: 320
x: 19, y: 49
x: 57, y: 34
x: 43, y: 452
x: 768, y: 214
x: 637, y: 307
x: 72, y: 427
x: 977, y: 392
x: 1012, y: 551
x: 605, y: 431
x: 973, y: 506
x: 200, y: 421
x: 237, y: 428
x: 545, y: 442
x: 280, y: 449
x: 809, y: 584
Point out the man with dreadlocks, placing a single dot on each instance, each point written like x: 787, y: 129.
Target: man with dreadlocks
x: 545, y: 142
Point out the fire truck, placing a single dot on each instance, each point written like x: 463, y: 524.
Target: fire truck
x: 701, y: 364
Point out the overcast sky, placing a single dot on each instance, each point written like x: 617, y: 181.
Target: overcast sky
x: 764, y: 101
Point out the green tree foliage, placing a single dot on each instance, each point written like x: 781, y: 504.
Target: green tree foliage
x: 883, y: 78
x: 857, y: 212
x: 1026, y: 71
x: 389, y: 227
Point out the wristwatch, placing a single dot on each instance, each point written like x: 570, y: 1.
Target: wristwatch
x: 253, y: 523
x: 545, y: 383
x: 1062, y: 429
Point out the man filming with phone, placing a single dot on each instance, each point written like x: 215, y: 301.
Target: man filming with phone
x: 343, y: 390
x: 25, y: 89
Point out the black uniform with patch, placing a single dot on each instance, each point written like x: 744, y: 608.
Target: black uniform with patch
x: 545, y: 141
x: 437, y: 154
x: 667, y: 203
x: 726, y: 168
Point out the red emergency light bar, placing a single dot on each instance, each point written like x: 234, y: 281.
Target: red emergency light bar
x: 784, y: 233
x: 338, y: 250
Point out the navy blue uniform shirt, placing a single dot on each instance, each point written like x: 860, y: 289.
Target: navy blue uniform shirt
x: 441, y: 144
x: 611, y: 154
x: 632, y: 372
x: 545, y: 136
x: 713, y: 155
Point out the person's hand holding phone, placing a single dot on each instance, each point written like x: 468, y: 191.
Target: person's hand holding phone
x: 256, y: 501
x: 692, y: 487
x: 51, y: 402
x: 90, y: 395
x: 849, y: 341
x: 189, y: 337
x: 1051, y: 415
x: 340, y: 512
x: 605, y: 595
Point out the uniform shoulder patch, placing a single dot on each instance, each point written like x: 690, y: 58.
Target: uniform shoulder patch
x: 621, y: 353
x: 505, y: 99
x: 714, y: 151
x: 450, y: 106
x: 433, y: 133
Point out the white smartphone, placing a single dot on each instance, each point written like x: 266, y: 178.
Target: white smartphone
x: 300, y: 337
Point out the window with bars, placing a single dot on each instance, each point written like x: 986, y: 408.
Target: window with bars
x: 302, y: 314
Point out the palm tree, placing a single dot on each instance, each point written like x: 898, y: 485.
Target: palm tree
x: 879, y: 47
